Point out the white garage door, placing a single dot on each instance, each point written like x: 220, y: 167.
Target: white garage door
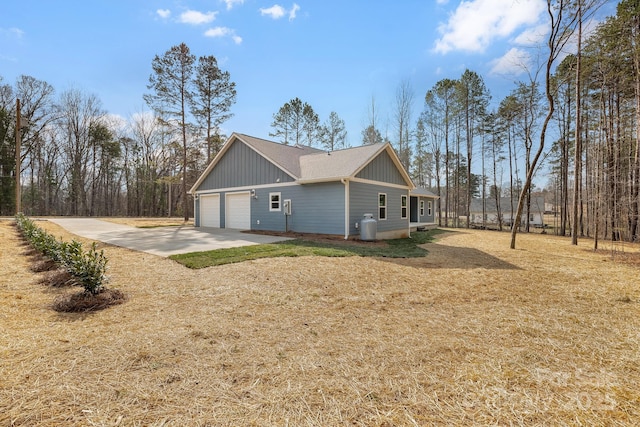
x: 238, y: 211
x: 210, y: 211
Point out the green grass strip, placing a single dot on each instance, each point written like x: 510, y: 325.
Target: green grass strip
x: 396, y: 248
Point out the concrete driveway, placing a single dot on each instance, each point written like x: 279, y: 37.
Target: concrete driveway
x: 162, y: 241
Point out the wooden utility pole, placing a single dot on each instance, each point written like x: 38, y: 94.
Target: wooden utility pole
x: 18, y: 165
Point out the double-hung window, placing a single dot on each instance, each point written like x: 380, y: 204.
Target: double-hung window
x: 403, y: 206
x: 382, y: 206
x: 274, y: 202
x: 430, y: 207
x: 421, y: 207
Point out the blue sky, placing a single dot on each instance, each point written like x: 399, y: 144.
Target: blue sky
x: 335, y: 55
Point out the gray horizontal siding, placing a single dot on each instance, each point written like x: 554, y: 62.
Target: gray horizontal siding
x: 364, y: 199
x: 242, y: 166
x: 383, y: 169
x: 426, y: 217
x: 316, y: 208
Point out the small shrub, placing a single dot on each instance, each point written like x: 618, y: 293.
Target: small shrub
x: 87, y: 267
x: 91, y: 270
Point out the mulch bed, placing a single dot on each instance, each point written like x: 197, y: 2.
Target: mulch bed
x: 83, y: 301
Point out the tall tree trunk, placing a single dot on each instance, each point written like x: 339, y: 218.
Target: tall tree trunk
x: 577, y: 177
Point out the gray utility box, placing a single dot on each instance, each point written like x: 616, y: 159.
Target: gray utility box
x: 368, y: 227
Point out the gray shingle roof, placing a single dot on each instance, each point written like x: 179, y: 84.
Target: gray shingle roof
x: 337, y: 164
x: 286, y: 157
x: 307, y: 164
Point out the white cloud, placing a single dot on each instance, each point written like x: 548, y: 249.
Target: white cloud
x: 194, y: 17
x: 293, y: 11
x: 223, y: 32
x: 12, y: 32
x: 276, y: 11
x: 532, y: 36
x: 514, y: 62
x: 8, y: 59
x: 163, y: 13
x: 231, y: 3
x: 476, y: 23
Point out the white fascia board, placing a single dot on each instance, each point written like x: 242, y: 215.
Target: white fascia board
x: 380, y: 183
x: 245, y: 188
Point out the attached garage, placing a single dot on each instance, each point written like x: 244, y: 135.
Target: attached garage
x: 210, y: 210
x: 238, y: 211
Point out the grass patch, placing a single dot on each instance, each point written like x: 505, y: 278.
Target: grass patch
x: 395, y: 248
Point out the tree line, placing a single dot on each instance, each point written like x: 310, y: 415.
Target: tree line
x: 587, y: 106
x: 78, y: 160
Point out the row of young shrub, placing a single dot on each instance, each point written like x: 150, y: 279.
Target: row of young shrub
x: 88, y: 267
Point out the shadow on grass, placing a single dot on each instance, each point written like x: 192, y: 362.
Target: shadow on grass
x: 411, y: 251
x: 452, y: 257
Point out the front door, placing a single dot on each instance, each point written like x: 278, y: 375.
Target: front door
x: 413, y: 205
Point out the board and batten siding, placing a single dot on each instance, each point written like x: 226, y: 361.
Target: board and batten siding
x: 315, y: 208
x: 383, y: 169
x: 242, y: 166
x: 364, y: 199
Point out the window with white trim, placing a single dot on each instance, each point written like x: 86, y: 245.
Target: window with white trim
x: 403, y: 206
x: 382, y: 206
x: 421, y: 207
x: 430, y: 207
x: 274, y: 202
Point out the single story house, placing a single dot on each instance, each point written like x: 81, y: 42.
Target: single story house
x: 536, y: 211
x: 260, y: 185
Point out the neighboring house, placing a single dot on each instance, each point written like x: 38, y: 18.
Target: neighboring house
x: 536, y: 212
x: 255, y: 184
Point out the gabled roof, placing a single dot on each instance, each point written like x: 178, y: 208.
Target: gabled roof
x: 335, y: 165
x: 345, y: 164
x: 286, y: 157
x: 307, y: 164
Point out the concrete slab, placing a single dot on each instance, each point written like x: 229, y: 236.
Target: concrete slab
x: 162, y: 241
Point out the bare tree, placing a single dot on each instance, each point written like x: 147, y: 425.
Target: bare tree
x: 562, y: 24
x: 77, y: 114
x: 402, y: 116
x: 371, y: 133
x: 577, y: 177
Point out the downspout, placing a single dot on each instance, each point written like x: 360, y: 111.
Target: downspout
x: 409, y: 211
x: 196, y: 210
x: 346, y: 207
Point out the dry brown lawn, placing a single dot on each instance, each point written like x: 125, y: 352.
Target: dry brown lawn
x: 473, y: 334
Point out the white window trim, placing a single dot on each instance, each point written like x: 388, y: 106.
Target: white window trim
x: 404, y: 208
x: 279, y: 208
x: 421, y: 207
x: 430, y: 207
x: 386, y: 214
